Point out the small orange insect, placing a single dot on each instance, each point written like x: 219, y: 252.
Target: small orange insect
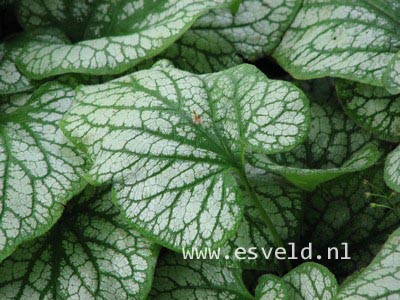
x: 196, y: 118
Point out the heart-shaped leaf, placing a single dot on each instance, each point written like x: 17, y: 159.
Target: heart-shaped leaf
x: 90, y: 254
x: 171, y: 141
x: 177, y: 279
x: 354, y: 40
x: 335, y: 145
x: 380, y: 280
x: 371, y: 107
x: 40, y: 170
x: 116, y: 35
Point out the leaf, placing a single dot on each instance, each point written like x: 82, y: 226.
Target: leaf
x: 118, y: 35
x: 354, y: 40
x: 220, y: 40
x: 335, y: 146
x: 178, y: 279
x: 283, y: 203
x: 392, y: 169
x: 271, y: 287
x: 391, y: 77
x: 11, y: 80
x: 373, y: 108
x: 72, y: 17
x: 39, y: 169
x: 311, y: 281
x: 170, y: 142
x: 358, y: 210
x: 380, y: 280
x: 90, y: 254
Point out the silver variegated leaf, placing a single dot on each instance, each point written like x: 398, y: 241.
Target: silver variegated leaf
x: 371, y: 107
x: 392, y: 75
x: 380, y: 280
x: 355, y: 40
x: 284, y: 205
x: 220, y: 40
x: 170, y: 141
x: 40, y: 170
x: 311, y: 281
x: 271, y: 287
x: 335, y: 145
x: 392, y: 169
x: 11, y: 79
x: 116, y: 35
x: 90, y: 254
x: 177, y: 279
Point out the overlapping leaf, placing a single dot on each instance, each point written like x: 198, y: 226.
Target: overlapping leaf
x: 220, y: 40
x: 90, y: 254
x: 380, y: 280
x: 335, y: 145
x: 355, y: 40
x: 373, y: 108
x: 358, y: 210
x: 170, y: 140
x: 11, y: 79
x: 116, y: 35
x: 178, y: 279
x: 39, y: 168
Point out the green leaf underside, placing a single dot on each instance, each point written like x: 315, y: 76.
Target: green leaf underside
x: 380, y: 280
x: 335, y: 146
x: 349, y: 39
x: 39, y: 168
x: 117, y: 35
x: 11, y: 79
x: 311, y: 281
x: 271, y: 287
x: 169, y: 140
x: 177, y: 279
x: 90, y: 254
x: 340, y: 211
x: 282, y: 202
x: 373, y: 108
x: 220, y: 40
x: 392, y: 169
